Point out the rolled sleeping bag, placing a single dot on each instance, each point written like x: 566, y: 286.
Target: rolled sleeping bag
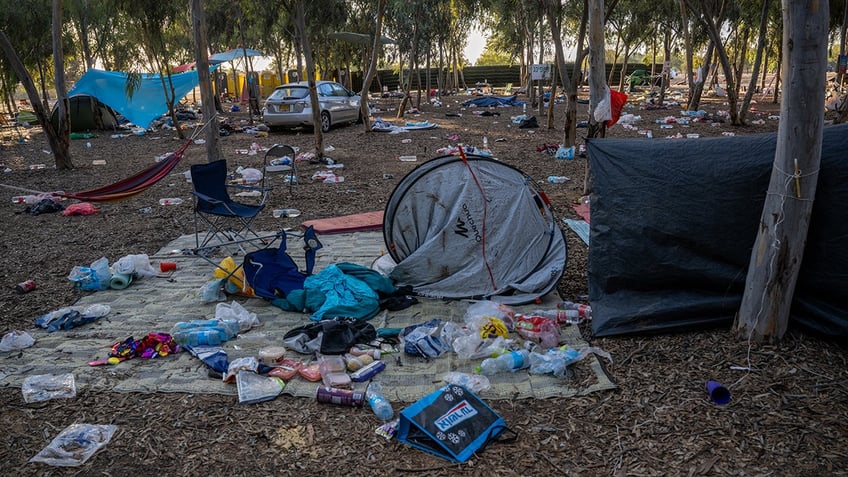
x: 120, y: 281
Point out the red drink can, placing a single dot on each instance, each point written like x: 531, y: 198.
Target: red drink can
x: 343, y: 397
x: 25, y: 287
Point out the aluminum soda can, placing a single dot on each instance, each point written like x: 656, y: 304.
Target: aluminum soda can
x: 25, y: 287
x: 343, y: 397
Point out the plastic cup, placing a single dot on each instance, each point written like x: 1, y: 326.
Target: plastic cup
x: 167, y: 266
x: 718, y: 393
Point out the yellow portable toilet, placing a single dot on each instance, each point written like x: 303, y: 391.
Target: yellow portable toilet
x: 268, y: 80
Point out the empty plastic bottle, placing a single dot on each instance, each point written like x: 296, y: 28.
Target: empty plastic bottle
x: 170, y: 201
x: 511, y: 361
x: 379, y: 404
x: 557, y: 179
x: 199, y: 337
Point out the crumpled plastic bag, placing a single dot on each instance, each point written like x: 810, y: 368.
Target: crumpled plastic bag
x: 75, y: 444
x: 16, y: 340
x: 136, y: 265
x: 424, y: 339
x: 92, y: 278
x: 72, y: 316
x: 83, y: 208
x: 42, y: 387
x: 212, y: 291
x: 235, y: 311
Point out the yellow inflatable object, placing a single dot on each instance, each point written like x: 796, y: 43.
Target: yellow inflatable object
x: 494, y: 327
x: 239, y: 284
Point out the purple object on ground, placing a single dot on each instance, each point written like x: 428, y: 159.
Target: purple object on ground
x: 718, y: 393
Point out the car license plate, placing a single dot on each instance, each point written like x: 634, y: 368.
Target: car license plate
x: 283, y: 108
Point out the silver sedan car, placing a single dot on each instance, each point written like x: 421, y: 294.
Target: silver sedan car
x: 289, y: 105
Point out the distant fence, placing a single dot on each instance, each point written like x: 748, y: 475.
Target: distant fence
x: 497, y: 76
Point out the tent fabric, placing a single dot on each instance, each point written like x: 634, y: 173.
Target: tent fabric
x: 473, y: 229
x: 492, y: 101
x: 87, y: 113
x: 674, y: 223
x: 148, y: 101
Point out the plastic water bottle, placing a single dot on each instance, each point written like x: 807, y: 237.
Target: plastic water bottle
x: 511, y: 361
x: 170, y: 201
x: 583, y: 311
x: 524, y: 108
x: 201, y: 337
x: 557, y: 179
x: 379, y: 404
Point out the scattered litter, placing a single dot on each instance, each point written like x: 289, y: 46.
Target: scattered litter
x: 98, y: 162
x: 16, y: 340
x: 43, y: 387
x: 408, y: 158
x: 69, y: 317
x: 82, y: 208
x: 75, y: 445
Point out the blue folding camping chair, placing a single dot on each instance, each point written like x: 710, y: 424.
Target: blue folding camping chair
x: 227, y: 223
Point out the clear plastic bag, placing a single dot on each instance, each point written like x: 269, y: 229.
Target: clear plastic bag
x: 43, y: 387
x: 93, y: 278
x: 69, y: 317
x: 235, y: 311
x: 213, y: 291
x: 16, y: 340
x: 475, y: 383
x: 75, y: 444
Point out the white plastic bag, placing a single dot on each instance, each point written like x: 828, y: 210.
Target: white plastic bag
x: 603, y: 111
x: 138, y: 265
x: 235, y: 311
x: 16, y: 340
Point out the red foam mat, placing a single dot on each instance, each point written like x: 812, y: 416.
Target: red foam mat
x: 347, y: 223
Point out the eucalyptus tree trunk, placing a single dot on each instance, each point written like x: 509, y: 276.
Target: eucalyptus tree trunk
x: 300, y: 26
x: 63, y: 160
x: 63, y: 133
x: 698, y: 87
x: 761, y: 45
x: 687, y: 45
x: 372, y: 66
x: 779, y: 246
x: 570, y: 126
x: 207, y: 97
x: 597, y: 83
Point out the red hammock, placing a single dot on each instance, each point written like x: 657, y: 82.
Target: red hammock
x: 131, y: 186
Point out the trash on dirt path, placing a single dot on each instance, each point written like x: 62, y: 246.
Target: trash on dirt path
x: 71, y: 316
x: 170, y: 201
x: 75, y: 445
x: 718, y: 394
x: 81, y: 208
x: 288, y: 213
x: 254, y: 388
x: 451, y: 423
x: 43, y: 387
x: 16, y: 340
x: 25, y: 286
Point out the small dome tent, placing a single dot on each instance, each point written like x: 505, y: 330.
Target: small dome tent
x: 473, y: 227
x: 87, y: 114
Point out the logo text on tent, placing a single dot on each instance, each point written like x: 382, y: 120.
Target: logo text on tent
x: 462, y: 228
x: 459, y: 413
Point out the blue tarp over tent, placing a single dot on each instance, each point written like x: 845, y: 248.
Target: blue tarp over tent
x: 148, y: 100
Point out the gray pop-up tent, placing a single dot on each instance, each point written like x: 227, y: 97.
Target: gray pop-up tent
x: 474, y: 228
x: 674, y: 222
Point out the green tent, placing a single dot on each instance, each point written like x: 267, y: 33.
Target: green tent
x: 87, y: 114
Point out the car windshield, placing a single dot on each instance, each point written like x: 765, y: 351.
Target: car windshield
x: 290, y: 92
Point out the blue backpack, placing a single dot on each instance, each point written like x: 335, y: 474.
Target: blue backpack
x: 273, y: 274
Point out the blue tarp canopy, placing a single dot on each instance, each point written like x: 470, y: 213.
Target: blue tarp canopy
x: 235, y: 54
x: 148, y: 100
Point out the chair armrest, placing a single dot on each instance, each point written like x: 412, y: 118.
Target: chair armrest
x: 206, y: 198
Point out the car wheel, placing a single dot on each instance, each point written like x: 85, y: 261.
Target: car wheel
x: 325, y: 121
